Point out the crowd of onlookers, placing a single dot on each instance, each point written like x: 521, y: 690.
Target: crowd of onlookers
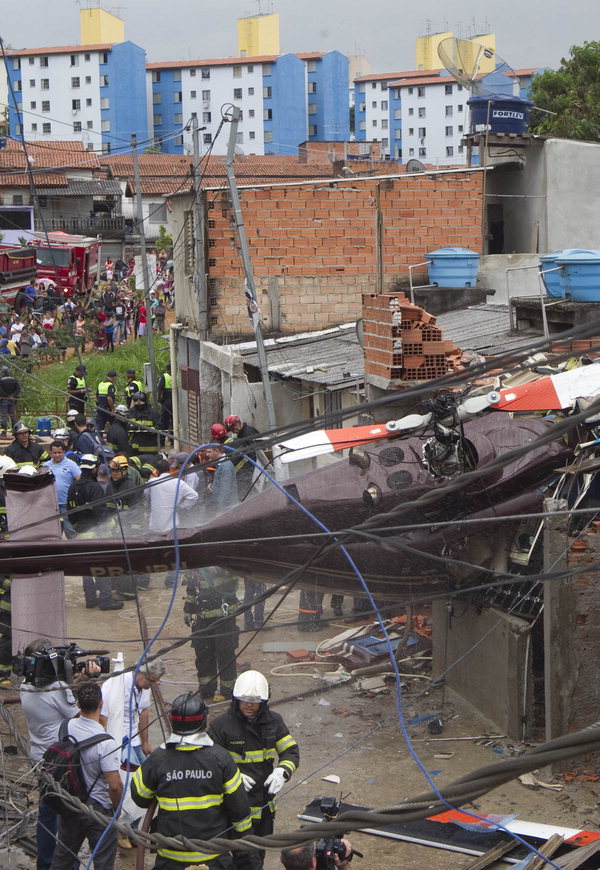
x: 45, y: 321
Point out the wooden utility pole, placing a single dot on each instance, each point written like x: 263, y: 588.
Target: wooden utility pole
x: 145, y: 272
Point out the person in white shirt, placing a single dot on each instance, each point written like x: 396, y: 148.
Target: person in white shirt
x: 166, y: 491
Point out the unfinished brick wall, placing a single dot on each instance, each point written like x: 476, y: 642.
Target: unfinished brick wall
x: 313, y: 247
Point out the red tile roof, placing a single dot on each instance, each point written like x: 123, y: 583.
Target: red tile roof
x: 60, y: 49
x: 377, y: 77
x: 220, y: 61
x: 47, y: 155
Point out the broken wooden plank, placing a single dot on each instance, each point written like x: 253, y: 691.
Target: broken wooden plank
x: 549, y: 848
x: 492, y: 855
x: 579, y: 856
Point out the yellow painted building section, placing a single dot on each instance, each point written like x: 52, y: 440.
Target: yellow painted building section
x: 97, y: 27
x: 258, y: 35
x: 427, y: 50
x: 471, y: 54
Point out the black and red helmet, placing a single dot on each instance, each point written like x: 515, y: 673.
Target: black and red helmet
x: 188, y: 714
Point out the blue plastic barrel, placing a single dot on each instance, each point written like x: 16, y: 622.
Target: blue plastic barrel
x: 453, y: 267
x: 581, y: 270
x: 500, y: 113
x: 43, y: 426
x: 553, y: 281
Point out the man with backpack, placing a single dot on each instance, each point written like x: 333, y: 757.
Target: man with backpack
x: 46, y: 705
x: 100, y: 761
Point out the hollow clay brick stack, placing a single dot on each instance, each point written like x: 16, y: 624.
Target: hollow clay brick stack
x: 402, y: 342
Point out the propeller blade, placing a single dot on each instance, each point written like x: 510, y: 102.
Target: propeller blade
x: 552, y: 392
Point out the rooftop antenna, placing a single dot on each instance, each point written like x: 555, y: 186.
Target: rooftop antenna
x: 463, y: 58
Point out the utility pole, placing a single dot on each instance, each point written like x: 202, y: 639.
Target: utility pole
x: 253, y: 309
x: 145, y: 272
x: 199, y: 233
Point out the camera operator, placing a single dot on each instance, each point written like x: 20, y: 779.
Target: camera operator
x: 46, y: 705
x: 305, y: 857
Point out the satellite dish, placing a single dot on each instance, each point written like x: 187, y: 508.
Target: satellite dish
x: 477, y: 67
x: 415, y: 166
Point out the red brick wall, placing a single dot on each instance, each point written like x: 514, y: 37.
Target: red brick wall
x: 318, y: 242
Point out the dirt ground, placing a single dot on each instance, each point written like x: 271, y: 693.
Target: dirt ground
x: 378, y: 772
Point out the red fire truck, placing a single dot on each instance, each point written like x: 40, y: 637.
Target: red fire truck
x: 17, y: 269
x: 70, y: 262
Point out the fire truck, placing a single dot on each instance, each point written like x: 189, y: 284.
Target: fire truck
x: 17, y: 269
x: 70, y: 262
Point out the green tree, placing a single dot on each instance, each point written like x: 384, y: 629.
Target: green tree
x: 572, y: 93
x: 164, y: 240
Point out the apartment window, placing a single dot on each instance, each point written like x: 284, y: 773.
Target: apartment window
x: 266, y: 70
x: 176, y: 75
x: 449, y: 131
x: 410, y: 91
x: 421, y: 91
x: 46, y: 128
x: 252, y: 134
x: 397, y: 134
x: 267, y: 92
x: 374, y: 122
x: 205, y: 72
x: 192, y: 95
x: 18, y: 129
x: 178, y: 140
x: 422, y: 112
x: 385, y: 143
x: 19, y: 107
x: 206, y: 95
x: 449, y: 151
x: 177, y: 97
x: 362, y: 125
x: 155, y: 75
x: 460, y: 149
x: 17, y: 85
x: 106, y: 147
x: 105, y: 126
x: 87, y: 57
x: 384, y: 105
x: 250, y: 68
x: 77, y: 126
x: 398, y: 94
x: 373, y: 85
x: 74, y: 60
x: 17, y: 199
x: 311, y: 66
x: 384, y: 86
x: 374, y: 104
x: 156, y: 98
x: 88, y: 101
x: 157, y: 120
x: 312, y: 129
x: 422, y: 152
x: 422, y: 132
x: 411, y: 111
x: 460, y: 128
x: 459, y: 88
x: 89, y: 125
x: 411, y: 152
x: 17, y: 63
x: 88, y: 80
x: 240, y: 138
x: 448, y: 89
x: 362, y: 107
x: 397, y: 114
x: 43, y: 61
x: 267, y: 114
x: 33, y: 105
x: 449, y: 111
x: 103, y: 81
x: 32, y: 83
x: 268, y: 136
x: 411, y: 131
x: 178, y: 118
x: 384, y: 123
x: 104, y: 103
x: 250, y: 113
x: 312, y: 108
x: 75, y: 82
x: 312, y: 87
x: 76, y: 105
x: 45, y: 105
x: 237, y: 72
x: 207, y: 138
x: 237, y: 93
x: 44, y: 84
x: 250, y: 92
x: 34, y: 128
x: 104, y: 59
x: 192, y: 73
x: 459, y: 108
x: 206, y: 117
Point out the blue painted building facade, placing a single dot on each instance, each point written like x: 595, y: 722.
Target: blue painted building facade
x: 284, y: 105
x: 328, y: 110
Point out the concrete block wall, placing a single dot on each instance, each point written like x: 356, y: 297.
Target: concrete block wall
x: 318, y: 241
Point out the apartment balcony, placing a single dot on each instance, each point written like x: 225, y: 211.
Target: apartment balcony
x: 98, y: 225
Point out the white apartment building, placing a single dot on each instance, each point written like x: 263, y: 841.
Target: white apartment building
x: 435, y: 117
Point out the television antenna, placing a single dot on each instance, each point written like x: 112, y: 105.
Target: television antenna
x: 465, y: 59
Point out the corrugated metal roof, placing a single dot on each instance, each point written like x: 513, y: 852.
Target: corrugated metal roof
x: 80, y: 187
x: 332, y: 357
x: 485, y: 329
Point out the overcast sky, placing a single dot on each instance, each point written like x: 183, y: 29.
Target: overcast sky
x: 528, y: 32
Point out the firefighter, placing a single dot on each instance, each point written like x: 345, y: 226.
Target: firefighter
x: 164, y: 390
x: 196, y: 785
x: 244, y: 469
x: 87, y: 510
x: 143, y: 422
x: 210, y: 608
x: 132, y: 387
x: 116, y: 436
x: 124, y: 502
x: 254, y: 736
x: 105, y: 400
x: 22, y: 450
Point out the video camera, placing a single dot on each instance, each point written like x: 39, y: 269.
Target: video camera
x: 326, y: 849
x: 51, y: 663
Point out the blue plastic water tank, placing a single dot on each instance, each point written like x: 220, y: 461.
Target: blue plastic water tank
x: 553, y: 281
x: 503, y: 113
x: 581, y: 269
x: 44, y: 426
x: 453, y: 267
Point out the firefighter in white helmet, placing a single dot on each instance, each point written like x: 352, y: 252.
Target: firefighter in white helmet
x: 263, y: 749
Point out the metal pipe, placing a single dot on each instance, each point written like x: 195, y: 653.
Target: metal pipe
x: 410, y: 268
